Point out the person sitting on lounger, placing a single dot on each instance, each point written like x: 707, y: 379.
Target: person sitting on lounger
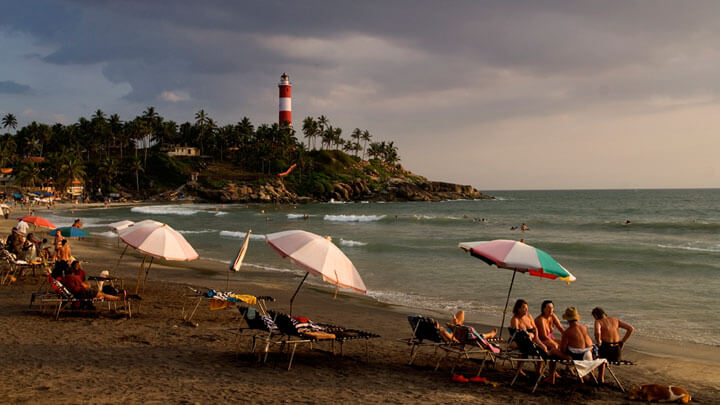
x: 607, y: 337
x: 546, y: 323
x: 523, y: 321
x: 82, y: 290
x: 576, y: 343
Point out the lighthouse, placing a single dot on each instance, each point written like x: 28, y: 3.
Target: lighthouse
x: 285, y: 115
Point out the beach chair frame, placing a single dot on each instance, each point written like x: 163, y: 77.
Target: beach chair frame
x: 418, y: 339
x: 61, y: 298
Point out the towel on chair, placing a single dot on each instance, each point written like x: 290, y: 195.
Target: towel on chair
x: 585, y: 367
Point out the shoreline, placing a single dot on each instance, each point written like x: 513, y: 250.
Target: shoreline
x: 203, y: 363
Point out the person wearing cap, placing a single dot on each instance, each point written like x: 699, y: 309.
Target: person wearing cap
x: 576, y: 343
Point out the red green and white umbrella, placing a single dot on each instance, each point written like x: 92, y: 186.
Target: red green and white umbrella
x: 519, y: 257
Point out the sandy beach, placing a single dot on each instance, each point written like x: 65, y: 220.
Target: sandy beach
x: 155, y: 357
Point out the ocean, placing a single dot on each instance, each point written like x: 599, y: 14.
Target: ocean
x: 660, y: 272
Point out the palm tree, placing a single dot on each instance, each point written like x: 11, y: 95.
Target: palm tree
x: 30, y: 175
x: 201, y: 122
x: 9, y: 120
x: 310, y: 129
x: 356, y: 135
x: 366, y: 137
x: 137, y: 167
x: 7, y: 149
x: 376, y: 149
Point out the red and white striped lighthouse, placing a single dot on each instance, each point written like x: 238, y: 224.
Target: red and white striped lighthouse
x: 285, y: 102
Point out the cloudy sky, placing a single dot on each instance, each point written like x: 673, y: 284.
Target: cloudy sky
x: 497, y: 94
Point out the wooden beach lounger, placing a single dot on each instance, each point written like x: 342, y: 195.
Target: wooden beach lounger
x: 218, y: 300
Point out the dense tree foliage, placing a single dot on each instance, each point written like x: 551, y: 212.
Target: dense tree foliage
x: 112, y: 155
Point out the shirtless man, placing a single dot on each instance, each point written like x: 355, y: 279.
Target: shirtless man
x: 607, y: 337
x: 576, y: 343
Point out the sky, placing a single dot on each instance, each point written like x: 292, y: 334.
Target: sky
x: 497, y: 94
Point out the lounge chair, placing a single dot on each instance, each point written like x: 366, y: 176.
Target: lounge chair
x: 218, y: 300
x: 277, y: 328
x: 15, y: 268
x: 468, y: 344
x: 61, y: 298
x: 424, y: 333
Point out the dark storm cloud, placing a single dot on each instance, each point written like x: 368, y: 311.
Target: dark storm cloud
x: 10, y: 87
x: 202, y: 46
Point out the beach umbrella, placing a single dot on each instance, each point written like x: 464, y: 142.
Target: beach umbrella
x: 70, y: 232
x: 237, y: 263
x: 317, y: 256
x: 116, y: 226
x: 38, y: 221
x: 156, y: 239
x: 518, y: 257
x: 120, y: 225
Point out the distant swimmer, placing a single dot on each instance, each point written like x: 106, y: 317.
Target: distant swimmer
x: 524, y: 228
x: 513, y: 228
x: 306, y: 216
x: 627, y: 222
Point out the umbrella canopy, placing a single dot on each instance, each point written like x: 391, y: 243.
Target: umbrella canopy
x: 116, y: 226
x: 158, y: 240
x: 38, y: 221
x: 317, y: 255
x: 70, y: 232
x: 518, y: 256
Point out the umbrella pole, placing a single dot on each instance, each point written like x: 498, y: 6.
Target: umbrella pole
x: 137, y: 286
x: 296, y: 291
x: 147, y: 270
x: 227, y: 282
x: 507, y: 300
x: 121, y: 256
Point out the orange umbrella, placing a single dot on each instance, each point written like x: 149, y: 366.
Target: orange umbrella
x: 38, y: 221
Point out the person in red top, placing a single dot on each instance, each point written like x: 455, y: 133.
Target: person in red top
x: 83, y: 290
x: 77, y: 224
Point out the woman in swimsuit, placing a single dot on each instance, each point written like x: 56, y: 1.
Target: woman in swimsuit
x: 522, y: 320
x: 546, y: 324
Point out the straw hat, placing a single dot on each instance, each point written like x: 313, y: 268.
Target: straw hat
x: 571, y: 314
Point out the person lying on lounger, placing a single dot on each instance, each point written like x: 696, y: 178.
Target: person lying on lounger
x: 448, y: 333
x: 82, y: 290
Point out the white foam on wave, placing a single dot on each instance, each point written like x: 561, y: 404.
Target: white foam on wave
x: 353, y: 218
x: 107, y: 234
x: 430, y: 217
x: 715, y: 248
x: 351, y: 243
x: 164, y: 210
x: 194, y: 232
x: 241, y: 235
x: 220, y: 213
x: 297, y: 216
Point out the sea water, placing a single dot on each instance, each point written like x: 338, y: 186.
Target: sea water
x: 660, y: 272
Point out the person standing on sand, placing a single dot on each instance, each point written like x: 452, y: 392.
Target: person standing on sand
x: 22, y: 227
x: 607, y: 337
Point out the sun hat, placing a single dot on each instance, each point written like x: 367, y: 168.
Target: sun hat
x: 571, y: 314
x: 105, y: 274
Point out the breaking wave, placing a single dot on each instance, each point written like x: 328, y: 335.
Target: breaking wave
x: 353, y: 218
x: 164, y: 210
x: 351, y: 243
x: 241, y: 235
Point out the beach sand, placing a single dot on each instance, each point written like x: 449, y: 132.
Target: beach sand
x: 155, y: 357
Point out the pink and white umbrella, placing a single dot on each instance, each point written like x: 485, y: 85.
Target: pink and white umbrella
x: 156, y: 239
x: 318, y: 256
